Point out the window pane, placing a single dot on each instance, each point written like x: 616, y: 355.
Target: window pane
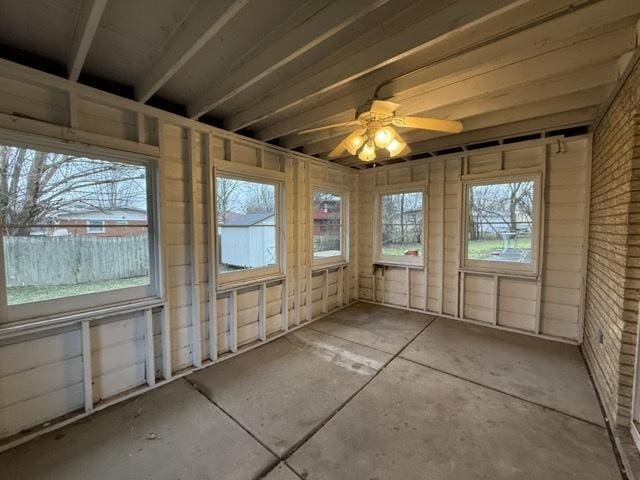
x: 401, y: 224
x: 73, y: 225
x: 246, y: 224
x: 49, y: 262
x: 327, y: 225
x: 500, y: 222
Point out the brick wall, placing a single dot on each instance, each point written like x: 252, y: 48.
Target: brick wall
x: 613, y: 273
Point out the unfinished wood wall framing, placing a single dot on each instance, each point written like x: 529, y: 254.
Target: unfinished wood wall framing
x: 47, y: 375
x: 61, y: 369
x: 549, y: 305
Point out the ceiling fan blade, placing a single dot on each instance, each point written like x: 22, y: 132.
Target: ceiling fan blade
x: 351, y: 143
x: 338, y: 150
x: 383, y: 107
x: 449, y: 126
x: 333, y: 125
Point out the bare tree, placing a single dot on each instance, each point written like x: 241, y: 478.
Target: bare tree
x: 36, y: 186
x: 259, y: 198
x: 509, y: 204
x: 227, y: 190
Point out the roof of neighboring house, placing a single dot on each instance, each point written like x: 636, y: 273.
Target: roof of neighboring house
x: 124, y: 213
x: 247, y: 219
x: 103, y: 210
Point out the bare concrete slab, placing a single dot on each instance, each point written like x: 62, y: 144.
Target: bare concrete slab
x: 281, y: 472
x: 550, y: 373
x: 384, y: 328
x: 171, y: 433
x: 414, y: 422
x: 284, y: 390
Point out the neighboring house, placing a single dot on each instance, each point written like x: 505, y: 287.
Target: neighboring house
x: 109, y: 222
x: 326, y: 214
x: 248, y: 240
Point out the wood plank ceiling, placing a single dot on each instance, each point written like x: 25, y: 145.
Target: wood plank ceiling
x: 271, y: 69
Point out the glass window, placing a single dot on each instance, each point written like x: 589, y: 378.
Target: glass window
x: 247, y: 219
x: 95, y: 226
x: 59, y: 214
x: 500, y: 222
x: 401, y: 218
x: 327, y: 225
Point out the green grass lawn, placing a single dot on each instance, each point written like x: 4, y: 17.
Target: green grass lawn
x: 35, y: 293
x: 481, y: 249
x: 478, y: 249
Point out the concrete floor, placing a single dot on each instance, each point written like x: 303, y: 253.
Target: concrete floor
x: 366, y: 393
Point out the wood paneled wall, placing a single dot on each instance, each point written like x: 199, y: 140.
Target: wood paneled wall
x: 550, y: 304
x: 45, y: 377
x: 63, y: 371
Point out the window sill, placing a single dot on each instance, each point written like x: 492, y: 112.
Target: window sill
x: 385, y: 263
x: 500, y: 273
x: 44, y: 323
x: 329, y: 266
x: 228, y: 286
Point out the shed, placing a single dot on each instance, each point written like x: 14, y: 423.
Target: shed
x: 248, y: 241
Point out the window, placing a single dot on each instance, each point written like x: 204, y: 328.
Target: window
x: 49, y: 201
x: 248, y: 227
x: 501, y: 224
x: 95, y: 226
x: 328, y: 226
x: 400, y: 216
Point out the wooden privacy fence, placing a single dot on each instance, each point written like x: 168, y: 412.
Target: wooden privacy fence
x: 74, y: 259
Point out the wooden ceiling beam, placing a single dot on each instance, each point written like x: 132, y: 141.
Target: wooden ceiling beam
x: 205, y: 20
x: 324, y: 21
x: 411, y: 30
x: 522, y: 76
x: 540, y: 38
x: 86, y: 26
x: 469, y: 48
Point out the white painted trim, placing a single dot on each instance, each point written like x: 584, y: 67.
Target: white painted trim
x: 212, y: 256
x: 534, y: 267
x: 194, y: 270
x: 343, y: 193
x: 150, y: 367
x: 87, y: 377
x: 229, y: 167
x: 30, y: 326
x: 247, y: 275
x: 396, y: 260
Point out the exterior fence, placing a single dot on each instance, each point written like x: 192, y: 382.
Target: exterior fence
x: 74, y: 259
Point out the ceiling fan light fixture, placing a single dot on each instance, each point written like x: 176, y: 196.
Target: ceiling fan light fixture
x: 354, y: 141
x: 384, y: 136
x: 368, y: 152
x: 396, y: 146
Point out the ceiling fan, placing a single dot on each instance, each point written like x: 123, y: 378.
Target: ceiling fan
x: 375, y: 121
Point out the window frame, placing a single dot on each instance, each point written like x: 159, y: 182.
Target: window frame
x: 343, y: 258
x: 398, y: 260
x: 73, y: 304
x: 224, y: 279
x: 531, y: 269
